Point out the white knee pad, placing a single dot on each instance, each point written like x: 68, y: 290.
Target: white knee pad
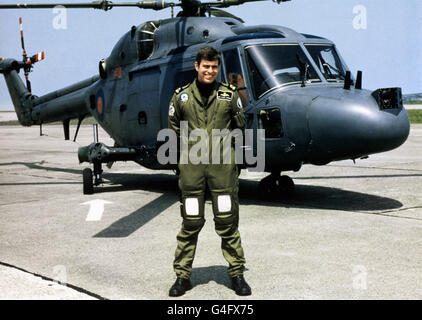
x: 224, y: 203
x: 192, y: 206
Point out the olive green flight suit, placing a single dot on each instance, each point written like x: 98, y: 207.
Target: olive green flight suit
x: 223, y: 110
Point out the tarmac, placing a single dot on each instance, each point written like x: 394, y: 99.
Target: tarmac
x: 351, y: 230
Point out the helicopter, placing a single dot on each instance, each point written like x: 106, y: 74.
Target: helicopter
x: 295, y: 87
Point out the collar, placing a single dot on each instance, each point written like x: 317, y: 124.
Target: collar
x: 197, y: 93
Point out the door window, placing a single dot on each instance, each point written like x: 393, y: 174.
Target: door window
x: 270, y: 121
x: 234, y: 74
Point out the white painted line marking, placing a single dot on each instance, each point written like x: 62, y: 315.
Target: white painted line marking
x: 96, y: 209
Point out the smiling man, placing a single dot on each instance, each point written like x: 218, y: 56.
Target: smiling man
x: 207, y: 104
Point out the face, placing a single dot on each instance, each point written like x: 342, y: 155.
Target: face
x: 207, y: 71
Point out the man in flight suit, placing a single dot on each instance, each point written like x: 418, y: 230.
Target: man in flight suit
x: 207, y: 104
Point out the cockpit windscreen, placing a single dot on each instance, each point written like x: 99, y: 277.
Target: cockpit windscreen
x: 328, y: 61
x: 276, y: 65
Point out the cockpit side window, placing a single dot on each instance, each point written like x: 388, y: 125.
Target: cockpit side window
x: 145, y: 39
x: 234, y: 74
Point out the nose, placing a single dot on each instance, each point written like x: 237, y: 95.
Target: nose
x: 353, y: 125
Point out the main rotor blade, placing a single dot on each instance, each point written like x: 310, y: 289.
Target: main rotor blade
x: 95, y: 5
x: 146, y: 4
x: 229, y: 3
x: 102, y: 4
x: 222, y: 13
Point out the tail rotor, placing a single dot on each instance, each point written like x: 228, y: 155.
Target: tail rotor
x: 28, y: 62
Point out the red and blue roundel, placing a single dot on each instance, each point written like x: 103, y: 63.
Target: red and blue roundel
x: 100, y: 104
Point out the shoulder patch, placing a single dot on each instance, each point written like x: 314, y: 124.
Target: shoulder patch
x: 171, y: 110
x: 184, y: 97
x: 239, y: 103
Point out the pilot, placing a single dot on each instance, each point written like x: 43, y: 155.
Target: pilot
x: 207, y: 104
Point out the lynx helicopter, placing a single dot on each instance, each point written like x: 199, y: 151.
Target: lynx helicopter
x: 295, y: 86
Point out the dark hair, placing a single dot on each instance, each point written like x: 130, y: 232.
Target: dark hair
x: 207, y: 53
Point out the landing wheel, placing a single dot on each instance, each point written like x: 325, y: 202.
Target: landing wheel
x: 275, y: 186
x: 286, y: 186
x: 88, y: 184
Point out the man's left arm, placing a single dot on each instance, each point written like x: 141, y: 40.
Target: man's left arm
x: 238, y: 117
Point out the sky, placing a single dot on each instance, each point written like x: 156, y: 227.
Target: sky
x: 380, y: 37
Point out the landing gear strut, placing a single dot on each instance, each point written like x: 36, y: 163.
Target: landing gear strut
x: 275, y: 186
x: 98, y: 153
x: 91, y: 179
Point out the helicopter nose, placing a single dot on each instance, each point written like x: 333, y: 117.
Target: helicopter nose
x: 353, y: 127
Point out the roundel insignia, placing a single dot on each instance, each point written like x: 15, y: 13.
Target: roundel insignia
x: 184, y: 97
x: 100, y: 104
x: 239, y: 103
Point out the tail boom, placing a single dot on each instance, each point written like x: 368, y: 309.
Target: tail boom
x: 18, y: 92
x: 60, y: 105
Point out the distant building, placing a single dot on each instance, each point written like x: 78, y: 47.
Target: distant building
x: 412, y: 98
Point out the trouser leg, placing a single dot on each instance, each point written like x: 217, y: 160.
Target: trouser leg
x: 223, y: 184
x: 192, y: 187
x: 186, y: 247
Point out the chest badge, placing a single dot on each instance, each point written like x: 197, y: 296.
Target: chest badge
x: 224, y: 95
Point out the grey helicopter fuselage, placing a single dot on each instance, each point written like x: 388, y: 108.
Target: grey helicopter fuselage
x: 310, y: 110
x: 317, y: 122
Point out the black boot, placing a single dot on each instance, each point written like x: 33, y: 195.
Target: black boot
x: 240, y: 286
x: 180, y: 287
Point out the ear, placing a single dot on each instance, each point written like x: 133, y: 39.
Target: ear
x: 196, y: 66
